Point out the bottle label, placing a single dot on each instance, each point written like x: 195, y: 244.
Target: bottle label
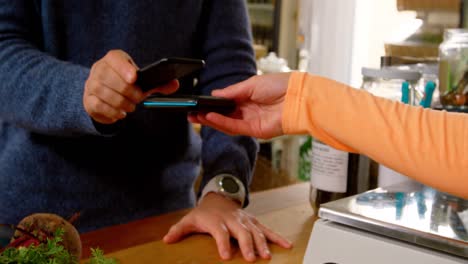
x: 329, y: 168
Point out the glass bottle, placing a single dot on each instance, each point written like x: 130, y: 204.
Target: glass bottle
x: 463, y: 14
x: 453, y: 69
x: 334, y: 174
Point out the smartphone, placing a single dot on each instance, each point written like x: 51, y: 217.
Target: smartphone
x: 166, y: 70
x: 192, y: 104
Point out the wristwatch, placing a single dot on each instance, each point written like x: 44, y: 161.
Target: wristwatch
x: 226, y: 185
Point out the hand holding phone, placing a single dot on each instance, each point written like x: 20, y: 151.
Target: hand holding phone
x: 166, y: 70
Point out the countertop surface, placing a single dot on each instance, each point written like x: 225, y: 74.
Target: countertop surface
x: 286, y: 210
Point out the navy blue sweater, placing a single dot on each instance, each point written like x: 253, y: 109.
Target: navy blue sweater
x: 52, y: 157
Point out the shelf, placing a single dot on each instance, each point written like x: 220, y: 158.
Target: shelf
x: 261, y: 7
x: 261, y: 14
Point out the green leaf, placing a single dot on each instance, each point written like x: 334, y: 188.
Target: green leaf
x: 97, y: 257
x: 50, y: 252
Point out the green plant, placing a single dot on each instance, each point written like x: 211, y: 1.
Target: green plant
x: 50, y: 252
x: 97, y: 257
x: 304, y: 160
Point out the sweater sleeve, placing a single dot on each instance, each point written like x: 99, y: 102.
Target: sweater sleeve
x: 37, y: 91
x: 427, y: 145
x: 227, y: 49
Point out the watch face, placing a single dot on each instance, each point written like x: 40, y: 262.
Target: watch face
x: 229, y: 185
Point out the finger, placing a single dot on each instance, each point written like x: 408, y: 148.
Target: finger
x: 259, y: 240
x: 105, y: 75
x: 239, y: 91
x: 178, y: 231
x: 193, y: 118
x: 203, y: 121
x: 123, y: 64
x: 168, y: 88
x: 98, y: 109
x: 114, y: 99
x: 274, y: 237
x: 220, y: 233
x: 227, y: 124
x: 104, y: 120
x: 244, y: 237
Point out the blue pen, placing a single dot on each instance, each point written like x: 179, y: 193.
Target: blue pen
x: 428, y: 92
x: 405, y: 92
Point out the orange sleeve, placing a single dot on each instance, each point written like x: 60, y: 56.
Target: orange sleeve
x: 428, y: 145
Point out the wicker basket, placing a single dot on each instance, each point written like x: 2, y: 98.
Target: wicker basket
x: 429, y: 5
x: 411, y: 50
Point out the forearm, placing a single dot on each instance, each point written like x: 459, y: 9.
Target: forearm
x: 227, y: 50
x: 223, y: 154
x: 42, y: 94
x: 429, y: 146
x: 38, y: 91
x: 226, y: 45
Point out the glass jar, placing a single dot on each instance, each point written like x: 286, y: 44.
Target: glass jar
x: 426, y: 90
x: 453, y: 69
x: 392, y: 83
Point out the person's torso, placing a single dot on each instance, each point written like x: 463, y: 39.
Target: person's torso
x: 84, y: 31
x: 146, y: 168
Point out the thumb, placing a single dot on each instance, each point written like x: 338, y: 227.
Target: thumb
x: 239, y: 91
x: 168, y: 88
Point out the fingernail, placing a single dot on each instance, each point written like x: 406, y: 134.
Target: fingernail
x: 131, y: 62
x: 123, y: 114
x: 267, y: 252
x: 251, y: 255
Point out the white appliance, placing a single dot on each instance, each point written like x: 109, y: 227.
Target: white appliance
x: 387, y: 227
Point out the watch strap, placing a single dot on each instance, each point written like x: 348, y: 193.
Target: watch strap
x: 216, y: 185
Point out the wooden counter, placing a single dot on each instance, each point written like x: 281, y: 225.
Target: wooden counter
x: 285, y: 210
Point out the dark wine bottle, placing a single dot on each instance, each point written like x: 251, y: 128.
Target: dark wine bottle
x: 335, y: 174
x: 463, y: 14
